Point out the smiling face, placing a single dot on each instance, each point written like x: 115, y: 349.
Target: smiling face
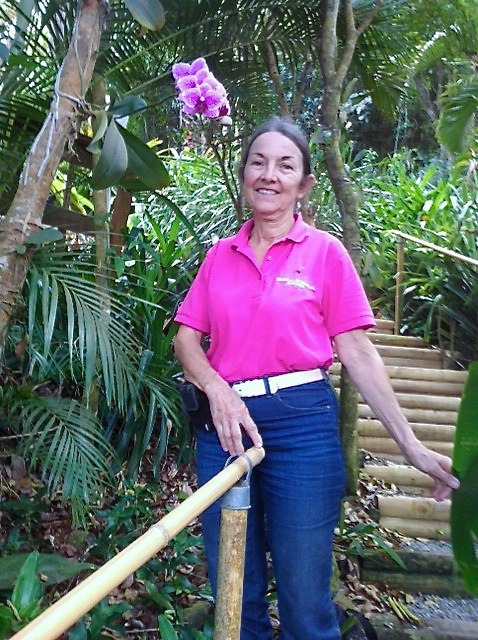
x: 274, y: 176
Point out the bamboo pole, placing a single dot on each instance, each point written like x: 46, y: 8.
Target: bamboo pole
x: 64, y: 613
x: 398, y: 287
x: 230, y: 571
x: 227, y: 619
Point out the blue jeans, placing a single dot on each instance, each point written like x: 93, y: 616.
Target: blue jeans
x: 296, y: 493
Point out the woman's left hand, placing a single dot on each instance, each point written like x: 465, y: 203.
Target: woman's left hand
x: 436, y: 465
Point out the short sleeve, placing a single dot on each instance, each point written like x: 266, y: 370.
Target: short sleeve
x: 345, y: 305
x: 193, y: 311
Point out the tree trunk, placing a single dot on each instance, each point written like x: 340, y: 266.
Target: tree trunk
x: 24, y: 216
x: 335, y: 65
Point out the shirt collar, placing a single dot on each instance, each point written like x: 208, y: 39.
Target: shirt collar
x: 299, y: 231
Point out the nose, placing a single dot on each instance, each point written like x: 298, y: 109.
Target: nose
x: 268, y: 172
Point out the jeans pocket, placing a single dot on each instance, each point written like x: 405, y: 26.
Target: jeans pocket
x: 315, y: 397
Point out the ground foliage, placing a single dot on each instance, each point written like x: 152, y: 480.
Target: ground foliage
x: 170, y: 592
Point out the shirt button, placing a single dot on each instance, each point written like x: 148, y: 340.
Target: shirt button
x: 269, y: 258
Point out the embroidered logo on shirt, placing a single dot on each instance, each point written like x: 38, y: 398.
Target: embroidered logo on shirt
x: 296, y: 282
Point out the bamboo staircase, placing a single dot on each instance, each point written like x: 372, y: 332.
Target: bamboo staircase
x: 430, y: 396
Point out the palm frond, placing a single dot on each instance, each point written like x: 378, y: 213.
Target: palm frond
x: 460, y: 106
x: 68, y: 442
x: 96, y: 328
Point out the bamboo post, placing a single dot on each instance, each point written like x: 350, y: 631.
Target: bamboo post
x: 230, y: 571
x: 69, y: 609
x: 398, y: 287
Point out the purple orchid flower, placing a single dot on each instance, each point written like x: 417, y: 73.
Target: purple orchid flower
x: 200, y: 92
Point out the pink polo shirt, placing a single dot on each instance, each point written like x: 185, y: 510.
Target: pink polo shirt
x: 280, y: 316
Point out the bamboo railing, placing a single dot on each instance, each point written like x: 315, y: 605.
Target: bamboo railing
x: 400, y: 263
x: 71, y: 607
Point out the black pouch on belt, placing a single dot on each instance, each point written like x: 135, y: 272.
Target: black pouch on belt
x: 196, y: 407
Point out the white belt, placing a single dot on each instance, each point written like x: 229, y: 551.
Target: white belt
x: 263, y: 386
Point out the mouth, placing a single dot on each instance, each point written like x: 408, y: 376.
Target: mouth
x: 266, y: 192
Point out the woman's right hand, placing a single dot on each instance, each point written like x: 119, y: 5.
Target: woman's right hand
x: 229, y: 414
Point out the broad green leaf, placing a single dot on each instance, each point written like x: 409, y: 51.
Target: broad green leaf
x: 464, y: 504
x: 464, y: 527
x: 53, y: 568
x: 127, y: 106
x: 143, y: 162
x: 466, y: 435
x: 27, y: 592
x: 7, y: 621
x: 94, y: 146
x: 44, y: 236
x: 166, y: 629
x: 79, y: 631
x: 156, y: 596
x: 149, y: 13
x: 103, y: 614
x: 113, y: 160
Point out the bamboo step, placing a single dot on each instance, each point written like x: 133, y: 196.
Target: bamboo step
x: 415, y: 517
x: 400, y: 475
x: 411, y: 508
x: 417, y: 415
x: 429, y: 396
x: 431, y: 529
x: 393, y: 340
x: 384, y: 446
x: 412, y: 354
x: 423, y: 401
x: 404, y: 385
x: 415, y: 373
x: 420, y: 401
x: 383, y: 326
x: 368, y: 427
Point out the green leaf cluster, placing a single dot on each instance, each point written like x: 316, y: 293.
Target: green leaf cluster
x: 124, y: 159
x: 28, y: 573
x: 464, y: 505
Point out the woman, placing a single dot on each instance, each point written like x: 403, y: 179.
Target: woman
x: 274, y: 300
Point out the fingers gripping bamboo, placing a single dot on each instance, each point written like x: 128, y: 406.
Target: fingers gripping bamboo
x: 69, y: 609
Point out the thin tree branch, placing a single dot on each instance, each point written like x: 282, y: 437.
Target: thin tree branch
x: 235, y: 199
x: 295, y: 110
x: 276, y: 80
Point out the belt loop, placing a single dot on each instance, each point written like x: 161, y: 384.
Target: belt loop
x: 268, y: 386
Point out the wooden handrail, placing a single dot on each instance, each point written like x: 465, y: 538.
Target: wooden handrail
x: 435, y: 247
x: 400, y: 261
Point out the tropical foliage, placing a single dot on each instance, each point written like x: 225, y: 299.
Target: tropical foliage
x: 88, y: 373
x: 433, y: 203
